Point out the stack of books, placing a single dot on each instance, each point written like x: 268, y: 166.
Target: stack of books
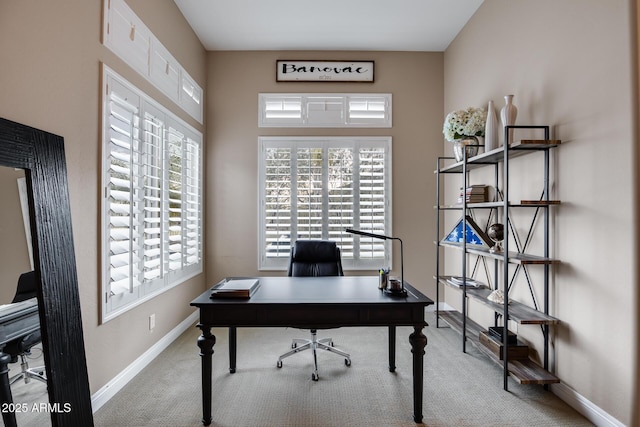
x: 235, y: 288
x: 458, y: 282
x: 475, y: 194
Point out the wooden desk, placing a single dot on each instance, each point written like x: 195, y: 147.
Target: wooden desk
x: 16, y: 321
x: 314, y: 303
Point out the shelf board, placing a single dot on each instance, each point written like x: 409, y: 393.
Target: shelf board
x: 492, y: 157
x: 493, y: 205
x: 513, y: 257
x: 518, y: 312
x: 540, y: 203
x: 525, y: 371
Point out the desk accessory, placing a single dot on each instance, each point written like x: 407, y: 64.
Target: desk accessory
x: 388, y: 290
x: 384, y: 278
x: 235, y: 288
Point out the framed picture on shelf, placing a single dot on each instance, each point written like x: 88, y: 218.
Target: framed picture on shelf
x: 475, y: 235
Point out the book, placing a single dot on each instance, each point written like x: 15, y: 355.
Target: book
x: 474, y: 194
x: 235, y: 288
x: 457, y: 281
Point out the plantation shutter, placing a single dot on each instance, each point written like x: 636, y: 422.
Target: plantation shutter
x: 174, y: 233
x: 192, y: 204
x: 368, y: 110
x: 324, y: 110
x: 334, y: 184
x: 372, y: 205
x: 342, y: 185
x: 309, y: 192
x: 278, y: 187
x: 282, y: 110
x: 123, y: 214
x: 153, y: 159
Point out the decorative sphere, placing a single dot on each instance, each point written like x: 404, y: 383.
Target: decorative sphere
x: 496, y: 232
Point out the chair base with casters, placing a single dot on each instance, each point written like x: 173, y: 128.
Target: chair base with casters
x: 314, y: 344
x: 21, y: 347
x: 27, y: 373
x: 313, y: 258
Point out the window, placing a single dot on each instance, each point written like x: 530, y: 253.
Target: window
x: 152, y: 207
x: 324, y: 110
x: 315, y: 188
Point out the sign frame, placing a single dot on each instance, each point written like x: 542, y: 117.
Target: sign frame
x: 325, y: 71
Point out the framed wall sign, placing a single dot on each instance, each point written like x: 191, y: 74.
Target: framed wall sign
x: 324, y: 71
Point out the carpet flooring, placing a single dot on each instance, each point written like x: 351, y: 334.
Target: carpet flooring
x: 460, y: 389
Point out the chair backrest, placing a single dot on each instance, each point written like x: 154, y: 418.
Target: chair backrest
x: 315, y: 258
x: 27, y: 287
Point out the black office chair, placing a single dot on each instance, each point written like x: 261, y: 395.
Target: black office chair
x: 314, y: 258
x: 21, y: 347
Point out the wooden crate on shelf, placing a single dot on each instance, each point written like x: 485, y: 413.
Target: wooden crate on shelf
x: 516, y: 351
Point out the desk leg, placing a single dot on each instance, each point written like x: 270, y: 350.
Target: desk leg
x: 418, y: 343
x: 233, y: 339
x: 392, y: 348
x: 206, y: 342
x: 9, y: 417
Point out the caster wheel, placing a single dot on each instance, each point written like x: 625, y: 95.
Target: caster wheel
x: 279, y: 364
x: 314, y: 376
x: 331, y: 344
x: 294, y: 345
x: 347, y: 362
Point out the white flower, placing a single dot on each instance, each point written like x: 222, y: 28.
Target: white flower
x: 461, y: 123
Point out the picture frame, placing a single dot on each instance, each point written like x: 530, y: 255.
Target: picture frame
x: 475, y: 235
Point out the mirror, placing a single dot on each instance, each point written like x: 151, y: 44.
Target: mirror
x: 27, y: 360
x: 41, y: 155
x: 15, y: 251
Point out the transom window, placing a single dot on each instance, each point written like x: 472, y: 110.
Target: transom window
x: 316, y: 187
x: 152, y: 207
x: 372, y: 110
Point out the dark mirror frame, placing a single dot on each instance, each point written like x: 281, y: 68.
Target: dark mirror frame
x: 41, y: 155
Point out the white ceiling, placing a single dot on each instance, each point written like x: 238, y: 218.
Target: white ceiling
x: 392, y: 25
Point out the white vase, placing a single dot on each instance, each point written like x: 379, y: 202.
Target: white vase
x: 508, y: 116
x: 491, y: 129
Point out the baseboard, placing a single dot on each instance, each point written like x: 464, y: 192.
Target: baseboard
x: 585, y: 407
x: 578, y: 402
x: 110, y: 389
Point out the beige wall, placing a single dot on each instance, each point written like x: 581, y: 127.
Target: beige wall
x: 236, y: 78
x: 50, y: 79
x: 568, y: 64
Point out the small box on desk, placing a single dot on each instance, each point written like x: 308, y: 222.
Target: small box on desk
x: 516, y: 351
x: 497, y: 331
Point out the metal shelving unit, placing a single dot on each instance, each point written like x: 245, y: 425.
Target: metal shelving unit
x: 524, y: 370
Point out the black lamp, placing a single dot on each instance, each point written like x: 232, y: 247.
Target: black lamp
x: 396, y: 292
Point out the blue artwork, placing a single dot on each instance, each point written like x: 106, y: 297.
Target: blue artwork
x: 475, y: 236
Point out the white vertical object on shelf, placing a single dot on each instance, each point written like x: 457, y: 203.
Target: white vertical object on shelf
x: 491, y: 129
x: 508, y: 115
